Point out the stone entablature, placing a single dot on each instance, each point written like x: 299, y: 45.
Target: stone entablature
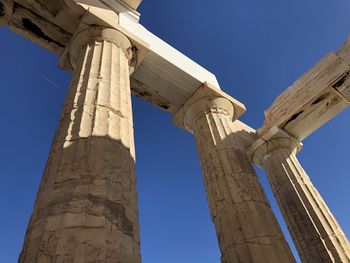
x: 86, y: 209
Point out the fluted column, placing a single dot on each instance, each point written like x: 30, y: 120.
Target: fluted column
x: 315, y: 231
x: 246, y: 227
x: 86, y: 208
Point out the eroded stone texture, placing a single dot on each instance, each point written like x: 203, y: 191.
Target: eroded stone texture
x: 86, y: 208
x: 246, y: 227
x: 315, y: 231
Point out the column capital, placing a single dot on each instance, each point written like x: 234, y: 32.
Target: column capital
x: 272, y: 141
x: 86, y: 35
x: 207, y: 99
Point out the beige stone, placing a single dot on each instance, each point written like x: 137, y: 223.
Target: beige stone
x: 315, y: 232
x: 314, y: 99
x: 165, y: 77
x: 86, y: 208
x: 246, y: 228
x: 6, y: 10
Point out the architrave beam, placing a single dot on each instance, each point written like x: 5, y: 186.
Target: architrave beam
x: 314, y: 99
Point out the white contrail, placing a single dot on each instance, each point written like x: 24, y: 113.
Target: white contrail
x: 53, y: 84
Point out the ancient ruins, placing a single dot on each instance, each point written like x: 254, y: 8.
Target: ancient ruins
x: 86, y: 209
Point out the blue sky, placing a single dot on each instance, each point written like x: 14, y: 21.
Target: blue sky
x: 255, y: 48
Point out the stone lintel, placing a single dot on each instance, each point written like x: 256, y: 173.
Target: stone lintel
x: 344, y: 51
x: 41, y: 27
x: 134, y: 4
x: 315, y: 98
x: 342, y: 87
x: 6, y: 11
x: 122, y: 7
x: 205, y: 95
x: 165, y: 77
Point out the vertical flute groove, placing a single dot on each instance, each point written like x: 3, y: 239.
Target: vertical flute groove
x: 315, y: 231
x: 246, y: 227
x: 86, y: 208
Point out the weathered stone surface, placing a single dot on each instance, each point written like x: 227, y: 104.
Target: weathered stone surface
x: 314, y: 99
x: 165, y: 77
x: 6, y: 10
x: 246, y: 227
x: 132, y: 3
x: 316, y: 233
x: 86, y: 208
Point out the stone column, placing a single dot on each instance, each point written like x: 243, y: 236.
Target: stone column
x: 246, y: 227
x: 315, y: 231
x: 86, y: 208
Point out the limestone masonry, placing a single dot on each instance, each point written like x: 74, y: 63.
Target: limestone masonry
x: 86, y: 208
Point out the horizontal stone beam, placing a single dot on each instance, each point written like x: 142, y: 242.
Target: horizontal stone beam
x: 344, y: 54
x: 315, y: 98
x: 133, y: 4
x: 46, y: 25
x: 6, y: 10
x: 164, y: 76
x: 65, y: 14
x: 39, y: 30
x: 172, y: 75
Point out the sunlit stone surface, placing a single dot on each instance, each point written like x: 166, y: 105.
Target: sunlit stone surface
x: 86, y: 208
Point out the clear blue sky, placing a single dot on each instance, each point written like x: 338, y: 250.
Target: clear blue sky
x: 256, y: 49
